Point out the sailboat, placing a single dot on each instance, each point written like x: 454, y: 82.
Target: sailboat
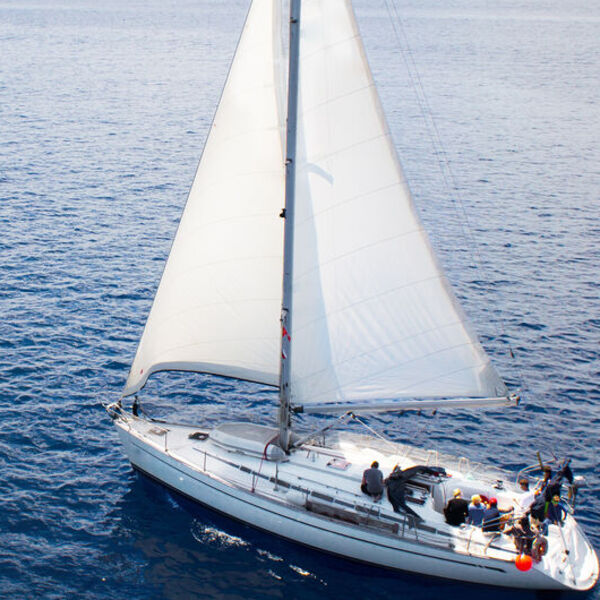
x: 300, y: 263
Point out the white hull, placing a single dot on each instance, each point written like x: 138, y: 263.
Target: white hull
x: 252, y: 490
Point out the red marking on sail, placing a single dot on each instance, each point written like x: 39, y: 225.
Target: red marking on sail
x: 284, y: 333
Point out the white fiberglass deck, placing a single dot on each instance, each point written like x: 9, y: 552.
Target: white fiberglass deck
x: 313, y: 497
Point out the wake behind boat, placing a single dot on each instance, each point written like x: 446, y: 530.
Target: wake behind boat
x: 337, y: 300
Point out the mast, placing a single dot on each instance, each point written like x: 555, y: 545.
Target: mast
x: 288, y: 236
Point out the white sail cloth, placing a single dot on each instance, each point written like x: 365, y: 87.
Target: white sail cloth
x: 372, y: 314
x: 217, y: 307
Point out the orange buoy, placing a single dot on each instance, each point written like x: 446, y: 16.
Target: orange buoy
x: 523, y: 562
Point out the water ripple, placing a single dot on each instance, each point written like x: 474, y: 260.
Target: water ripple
x: 105, y: 109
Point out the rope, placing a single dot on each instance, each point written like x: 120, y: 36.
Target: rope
x: 315, y: 433
x: 256, y: 475
x: 444, y: 164
x: 373, y: 431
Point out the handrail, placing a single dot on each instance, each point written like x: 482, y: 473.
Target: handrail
x: 566, y: 551
x: 401, y: 519
x: 430, y: 535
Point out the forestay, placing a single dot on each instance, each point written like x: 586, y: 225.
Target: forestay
x: 373, y: 317
x: 218, y: 303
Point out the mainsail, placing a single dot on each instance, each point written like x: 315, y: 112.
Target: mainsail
x: 373, y: 316
x: 217, y: 306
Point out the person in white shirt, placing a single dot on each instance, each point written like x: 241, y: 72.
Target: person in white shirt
x: 527, y: 498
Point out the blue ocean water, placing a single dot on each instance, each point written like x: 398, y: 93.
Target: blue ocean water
x: 104, y: 109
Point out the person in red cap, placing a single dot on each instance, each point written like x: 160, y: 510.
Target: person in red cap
x: 491, y: 516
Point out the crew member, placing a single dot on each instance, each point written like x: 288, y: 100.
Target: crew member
x: 372, y: 482
x: 396, y: 487
x: 476, y: 510
x: 457, y: 509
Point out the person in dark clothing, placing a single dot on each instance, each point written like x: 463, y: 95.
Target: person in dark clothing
x: 457, y: 509
x: 491, y: 517
x: 372, y: 481
x: 396, y: 487
x: 554, y: 485
x: 555, y: 511
x: 547, y: 476
x: 523, y: 535
x: 538, y: 507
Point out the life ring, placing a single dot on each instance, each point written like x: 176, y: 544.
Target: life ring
x: 539, y: 548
